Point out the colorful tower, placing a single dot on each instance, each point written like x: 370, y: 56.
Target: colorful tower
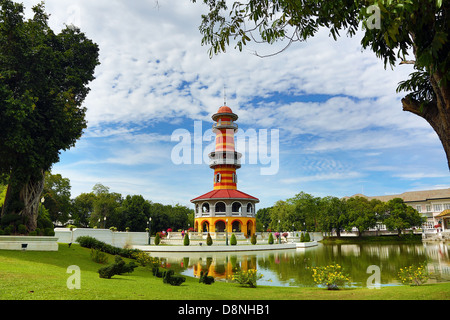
x: 225, y: 207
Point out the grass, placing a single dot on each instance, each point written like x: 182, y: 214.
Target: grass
x: 28, y: 275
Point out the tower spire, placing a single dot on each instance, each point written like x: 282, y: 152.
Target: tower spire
x: 224, y: 94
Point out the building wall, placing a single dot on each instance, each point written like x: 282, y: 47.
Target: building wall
x: 117, y: 239
x: 430, y: 209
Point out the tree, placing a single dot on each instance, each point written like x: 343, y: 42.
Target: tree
x: 57, y: 197
x: 263, y: 219
x: 43, y: 83
x: 106, y: 207
x: 82, y: 208
x: 391, y: 29
x: 333, y: 215
x: 306, y: 211
x: 400, y: 216
x: 134, y: 213
x: 361, y: 214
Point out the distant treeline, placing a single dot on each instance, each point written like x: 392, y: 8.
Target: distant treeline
x: 101, y: 208
x: 306, y: 212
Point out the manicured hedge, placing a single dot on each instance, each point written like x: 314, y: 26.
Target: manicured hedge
x: 92, y: 243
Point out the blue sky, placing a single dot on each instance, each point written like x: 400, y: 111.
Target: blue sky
x: 341, y: 126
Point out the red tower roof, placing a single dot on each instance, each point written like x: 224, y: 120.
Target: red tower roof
x: 224, y: 109
x: 225, y: 194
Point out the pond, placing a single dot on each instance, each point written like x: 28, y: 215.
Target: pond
x: 291, y: 267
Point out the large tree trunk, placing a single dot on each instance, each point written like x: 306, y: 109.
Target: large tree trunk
x: 22, y: 199
x: 436, y: 113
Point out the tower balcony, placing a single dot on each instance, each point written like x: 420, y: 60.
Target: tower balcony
x: 223, y: 125
x: 225, y: 158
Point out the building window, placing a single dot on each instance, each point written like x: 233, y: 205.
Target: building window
x: 428, y: 207
x: 217, y: 178
x: 220, y: 207
x: 249, y: 208
x: 205, y: 208
x: 446, y: 206
x: 234, y: 178
x: 236, y: 207
x: 437, y: 207
x: 419, y: 208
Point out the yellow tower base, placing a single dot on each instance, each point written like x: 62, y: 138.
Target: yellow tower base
x: 246, y: 225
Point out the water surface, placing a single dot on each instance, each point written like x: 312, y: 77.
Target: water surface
x: 291, y: 267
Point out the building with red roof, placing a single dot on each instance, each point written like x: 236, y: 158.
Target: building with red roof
x: 225, y: 208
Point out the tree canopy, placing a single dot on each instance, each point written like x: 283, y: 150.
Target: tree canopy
x: 43, y: 83
x: 392, y: 29
x: 331, y: 214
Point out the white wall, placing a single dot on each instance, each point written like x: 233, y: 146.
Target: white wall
x: 117, y: 239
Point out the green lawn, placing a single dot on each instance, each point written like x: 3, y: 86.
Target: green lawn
x: 27, y: 275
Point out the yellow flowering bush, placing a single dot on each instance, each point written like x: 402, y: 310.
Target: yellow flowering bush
x: 247, y: 277
x: 414, y: 275
x: 331, y: 276
x: 144, y: 259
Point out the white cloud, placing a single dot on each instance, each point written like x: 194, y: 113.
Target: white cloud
x: 329, y: 100
x: 323, y: 177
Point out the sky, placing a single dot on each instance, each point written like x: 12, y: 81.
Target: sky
x: 325, y: 114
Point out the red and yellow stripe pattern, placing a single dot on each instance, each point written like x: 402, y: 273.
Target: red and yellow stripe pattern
x: 225, y: 175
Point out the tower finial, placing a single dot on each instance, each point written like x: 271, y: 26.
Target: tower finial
x: 224, y: 95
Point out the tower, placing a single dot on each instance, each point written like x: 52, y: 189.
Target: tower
x: 225, y: 208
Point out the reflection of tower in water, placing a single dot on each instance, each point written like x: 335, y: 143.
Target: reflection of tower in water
x: 222, y: 270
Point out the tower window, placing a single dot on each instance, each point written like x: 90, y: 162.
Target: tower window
x: 220, y: 207
x: 217, y: 178
x: 236, y: 207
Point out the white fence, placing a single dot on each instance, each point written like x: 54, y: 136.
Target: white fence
x: 117, y: 239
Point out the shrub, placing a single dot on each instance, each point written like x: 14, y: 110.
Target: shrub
x: 144, y: 259
x: 247, y: 278
x: 270, y: 238
x: 209, y: 241
x: 172, y: 279
x: 330, y: 276
x: 21, y: 229
x: 157, y: 273
x: 253, y: 240
x: 49, y: 232
x: 307, y: 237
x: 87, y: 242
x: 157, y: 239
x: 118, y: 267
x: 99, y: 256
x: 8, y: 230
x: 186, y: 241
x: 302, y: 237
x: 204, y: 278
x: 414, y: 275
x: 233, y: 240
x: 92, y: 243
